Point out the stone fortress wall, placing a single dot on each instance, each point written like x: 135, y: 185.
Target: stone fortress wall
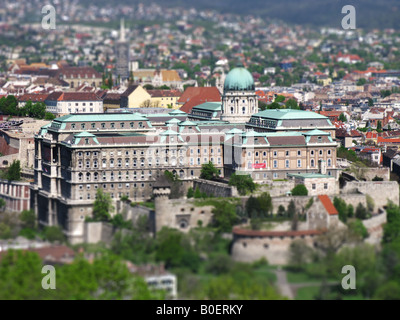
x: 216, y: 189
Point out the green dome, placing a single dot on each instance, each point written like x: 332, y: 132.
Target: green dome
x: 239, y: 79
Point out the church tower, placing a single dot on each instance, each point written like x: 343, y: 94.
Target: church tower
x: 122, y: 53
x: 239, y: 100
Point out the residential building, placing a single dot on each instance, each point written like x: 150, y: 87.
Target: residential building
x: 135, y: 97
x: 165, y: 98
x: 63, y: 103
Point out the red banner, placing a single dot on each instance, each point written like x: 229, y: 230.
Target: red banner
x: 259, y: 165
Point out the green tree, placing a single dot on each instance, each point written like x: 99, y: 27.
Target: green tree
x: 370, y: 203
x: 391, y: 230
x: 54, y: 234
x: 219, y: 263
x: 342, y: 117
x: 299, y: 254
x: 361, y: 212
x: 14, y: 171
x: 281, y: 211
x: 388, y: 291
x: 252, y: 207
x: 265, y: 204
x: 102, y: 206
x: 379, y: 126
x: 341, y: 207
x: 279, y: 99
x: 370, y: 102
x: 175, y: 250
x: 262, y: 105
x: 5, y: 231
x: 292, y: 104
x: 209, y: 171
x: 49, y: 116
x: 361, y: 82
x: 300, y: 190
x: 21, y: 276
x: 28, y: 219
x: 224, y: 216
x: 291, y: 210
x: 358, y: 228
x: 190, y: 193
x: 243, y: 183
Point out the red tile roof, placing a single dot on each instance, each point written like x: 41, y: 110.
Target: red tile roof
x: 52, y: 253
x: 73, y: 96
x: 33, y: 97
x: 329, y: 207
x: 194, y: 96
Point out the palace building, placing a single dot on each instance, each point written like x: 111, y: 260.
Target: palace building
x: 125, y: 153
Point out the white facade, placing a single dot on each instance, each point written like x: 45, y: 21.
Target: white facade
x: 68, y: 107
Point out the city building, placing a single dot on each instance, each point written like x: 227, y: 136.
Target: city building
x: 63, y: 103
x: 126, y: 153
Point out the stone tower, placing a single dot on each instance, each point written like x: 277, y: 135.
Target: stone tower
x: 239, y: 100
x: 161, y: 192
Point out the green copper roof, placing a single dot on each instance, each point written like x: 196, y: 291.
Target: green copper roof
x: 172, y: 121
x: 254, y: 134
x: 101, y: 117
x: 84, y: 134
x: 317, y: 132
x: 177, y: 112
x: 288, y: 114
x: 169, y: 133
x: 234, y: 130
x: 239, y: 79
x: 210, y: 106
x: 187, y: 123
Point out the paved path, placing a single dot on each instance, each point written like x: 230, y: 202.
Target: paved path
x: 283, y: 285
x: 289, y: 290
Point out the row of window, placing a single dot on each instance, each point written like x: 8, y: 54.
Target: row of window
x: 287, y: 153
x: 120, y: 175
x: 137, y: 152
x: 135, y: 163
x: 83, y: 104
x: 314, y: 186
x: 287, y: 163
x: 112, y: 195
x: 113, y: 186
x: 113, y: 176
x: 77, y: 111
x: 93, y: 125
x: 205, y: 151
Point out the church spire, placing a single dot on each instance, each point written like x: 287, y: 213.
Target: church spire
x: 122, y: 39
